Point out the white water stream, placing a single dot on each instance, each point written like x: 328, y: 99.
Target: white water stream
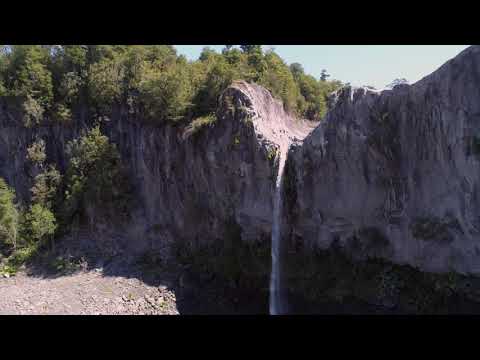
x: 275, y: 298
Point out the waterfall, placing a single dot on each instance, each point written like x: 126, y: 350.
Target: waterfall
x: 275, y: 125
x: 275, y: 298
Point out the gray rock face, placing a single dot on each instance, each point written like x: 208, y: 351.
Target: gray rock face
x: 395, y: 174
x: 193, y: 186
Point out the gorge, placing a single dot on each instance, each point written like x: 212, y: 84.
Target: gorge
x: 375, y: 208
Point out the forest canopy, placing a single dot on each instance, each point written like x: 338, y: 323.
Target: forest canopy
x: 153, y: 81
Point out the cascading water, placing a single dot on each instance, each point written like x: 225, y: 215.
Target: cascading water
x: 275, y: 125
x: 275, y: 298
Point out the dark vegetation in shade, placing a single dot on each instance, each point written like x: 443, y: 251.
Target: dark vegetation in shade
x: 229, y: 263
x: 330, y: 281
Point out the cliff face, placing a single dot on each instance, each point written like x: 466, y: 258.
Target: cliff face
x: 395, y: 174
x: 391, y: 175
x: 191, y: 186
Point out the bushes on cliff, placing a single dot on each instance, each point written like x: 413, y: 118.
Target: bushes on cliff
x: 21, y: 233
x: 24, y: 229
x: 47, y: 182
x: 94, y: 179
x: 39, y: 221
x: 40, y: 224
x: 45, y: 188
x: 9, y: 215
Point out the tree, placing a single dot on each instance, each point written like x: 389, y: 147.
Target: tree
x: 166, y: 95
x: 95, y: 177
x: 46, y: 185
x: 105, y: 82
x: 219, y: 75
x: 324, y: 75
x: 40, y: 224
x: 257, y: 61
x: 279, y: 80
x: 297, y: 70
x: 233, y: 56
x: 207, y: 53
x: 27, y: 74
x: 74, y: 58
x: 251, y: 48
x: 397, y: 82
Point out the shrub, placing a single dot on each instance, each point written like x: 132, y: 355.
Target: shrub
x: 40, y: 224
x: 199, y: 123
x: 9, y: 215
x: 32, y: 112
x: 94, y: 176
x: 36, y: 152
x: 45, y: 188
x: 62, y: 113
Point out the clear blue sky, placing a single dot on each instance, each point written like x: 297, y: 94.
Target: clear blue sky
x: 374, y: 65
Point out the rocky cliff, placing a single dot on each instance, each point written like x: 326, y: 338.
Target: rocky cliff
x: 386, y: 190
x: 387, y: 175
x: 395, y: 174
x: 202, y: 192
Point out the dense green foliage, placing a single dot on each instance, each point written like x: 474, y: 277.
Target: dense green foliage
x: 152, y: 81
x: 94, y: 177
x: 40, y: 224
x: 8, y: 215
